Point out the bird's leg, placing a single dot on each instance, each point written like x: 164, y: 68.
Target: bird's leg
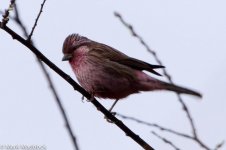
x: 110, y: 110
x: 113, y: 105
x: 91, y: 98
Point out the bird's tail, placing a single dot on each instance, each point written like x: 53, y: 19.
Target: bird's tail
x: 179, y: 89
x: 148, y: 83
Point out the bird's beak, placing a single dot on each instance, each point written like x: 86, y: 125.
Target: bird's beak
x: 66, y: 57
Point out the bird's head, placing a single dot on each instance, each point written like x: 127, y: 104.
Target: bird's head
x: 71, y: 43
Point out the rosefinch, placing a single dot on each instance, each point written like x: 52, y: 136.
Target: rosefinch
x: 108, y: 73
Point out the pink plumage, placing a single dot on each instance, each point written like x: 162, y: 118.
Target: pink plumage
x: 108, y: 73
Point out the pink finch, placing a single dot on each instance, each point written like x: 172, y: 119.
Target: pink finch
x: 108, y: 73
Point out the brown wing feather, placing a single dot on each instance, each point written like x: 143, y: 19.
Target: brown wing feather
x: 140, y: 65
x: 119, y: 57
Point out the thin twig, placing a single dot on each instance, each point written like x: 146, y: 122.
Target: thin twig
x: 66, y: 77
x: 218, y: 146
x: 185, y: 108
x: 184, y: 135
x: 5, y: 15
x: 168, y: 76
x: 165, y: 140
x: 36, y: 20
x: 154, y: 125
x: 17, y: 19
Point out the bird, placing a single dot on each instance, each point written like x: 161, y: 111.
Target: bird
x: 107, y: 73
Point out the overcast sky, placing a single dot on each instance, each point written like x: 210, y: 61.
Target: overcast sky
x: 188, y: 36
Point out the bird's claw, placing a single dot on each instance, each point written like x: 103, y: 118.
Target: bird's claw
x: 109, y: 120
x: 83, y: 98
x: 90, y: 99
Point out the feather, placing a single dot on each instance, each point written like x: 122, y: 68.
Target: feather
x: 112, y: 54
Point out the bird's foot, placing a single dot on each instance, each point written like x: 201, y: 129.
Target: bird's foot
x: 88, y: 100
x: 109, y: 120
x: 83, y: 98
x: 91, y: 98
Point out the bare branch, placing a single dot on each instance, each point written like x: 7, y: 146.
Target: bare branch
x: 66, y: 77
x: 165, y: 140
x: 17, y: 19
x: 185, y: 108
x: 168, y: 76
x: 155, y: 126
x: 218, y: 146
x: 184, y: 135
x: 36, y: 20
x: 5, y: 15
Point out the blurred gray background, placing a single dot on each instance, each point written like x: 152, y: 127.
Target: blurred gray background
x: 188, y: 36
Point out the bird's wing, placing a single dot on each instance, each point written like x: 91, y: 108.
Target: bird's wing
x: 114, y: 55
x: 140, y: 65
